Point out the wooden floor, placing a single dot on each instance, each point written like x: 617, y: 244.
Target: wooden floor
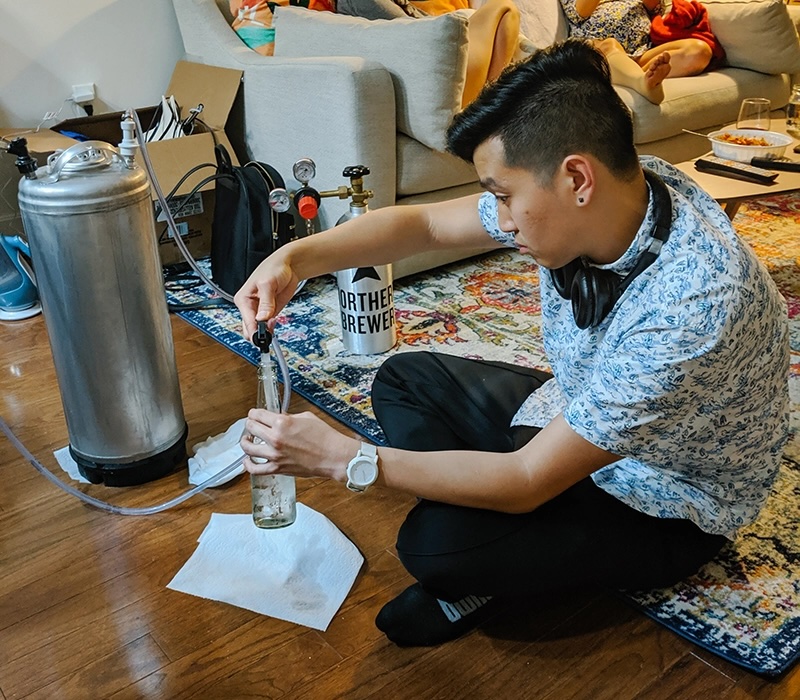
x: 85, y: 612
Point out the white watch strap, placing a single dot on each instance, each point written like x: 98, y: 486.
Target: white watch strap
x: 368, y: 450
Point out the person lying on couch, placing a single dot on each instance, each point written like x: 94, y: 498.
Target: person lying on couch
x: 659, y: 433
x: 622, y: 30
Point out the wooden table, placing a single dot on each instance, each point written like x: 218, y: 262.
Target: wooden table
x: 731, y: 193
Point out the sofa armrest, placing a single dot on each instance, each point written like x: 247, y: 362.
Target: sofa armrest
x: 338, y: 111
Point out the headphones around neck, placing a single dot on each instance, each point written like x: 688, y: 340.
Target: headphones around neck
x: 595, y: 291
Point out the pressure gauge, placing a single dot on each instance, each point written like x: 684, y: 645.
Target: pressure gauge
x: 304, y: 170
x: 279, y: 200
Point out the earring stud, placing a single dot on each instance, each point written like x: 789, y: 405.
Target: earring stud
x: 580, y: 200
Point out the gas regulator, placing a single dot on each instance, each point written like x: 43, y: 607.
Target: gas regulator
x: 307, y: 199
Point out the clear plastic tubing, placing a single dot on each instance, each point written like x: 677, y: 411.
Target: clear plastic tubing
x: 103, y: 505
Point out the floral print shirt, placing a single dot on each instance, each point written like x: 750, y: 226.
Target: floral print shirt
x: 686, y: 378
x: 627, y: 21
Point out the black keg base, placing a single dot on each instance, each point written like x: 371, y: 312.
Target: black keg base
x: 133, y: 473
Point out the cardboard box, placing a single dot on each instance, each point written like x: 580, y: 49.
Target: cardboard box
x: 191, y: 84
x: 40, y: 145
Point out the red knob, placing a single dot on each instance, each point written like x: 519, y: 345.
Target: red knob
x: 308, y: 207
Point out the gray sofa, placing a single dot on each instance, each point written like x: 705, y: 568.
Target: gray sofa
x: 346, y: 90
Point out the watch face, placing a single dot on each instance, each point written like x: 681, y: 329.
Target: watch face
x: 363, y: 471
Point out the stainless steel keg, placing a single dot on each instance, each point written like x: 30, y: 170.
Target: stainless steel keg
x: 88, y: 218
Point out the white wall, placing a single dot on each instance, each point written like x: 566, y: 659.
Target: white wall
x: 127, y: 48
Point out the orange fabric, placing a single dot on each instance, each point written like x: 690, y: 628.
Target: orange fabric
x: 440, y: 7
x: 322, y: 5
x: 687, y: 19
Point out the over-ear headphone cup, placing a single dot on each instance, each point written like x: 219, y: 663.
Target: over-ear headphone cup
x: 583, y: 301
x: 563, y: 277
x: 594, y: 293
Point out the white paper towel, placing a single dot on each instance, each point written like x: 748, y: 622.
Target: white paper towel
x: 215, y: 453
x: 69, y: 465
x: 301, y: 573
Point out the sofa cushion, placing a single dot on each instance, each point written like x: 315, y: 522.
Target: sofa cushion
x: 422, y: 169
x: 427, y: 59
x: 700, y: 102
x: 758, y: 34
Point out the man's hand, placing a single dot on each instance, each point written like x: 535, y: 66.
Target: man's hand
x: 299, y: 444
x: 265, y: 293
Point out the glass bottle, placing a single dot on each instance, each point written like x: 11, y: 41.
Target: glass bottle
x: 793, y: 112
x: 273, y: 495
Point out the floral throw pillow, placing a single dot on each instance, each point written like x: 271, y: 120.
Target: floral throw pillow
x: 252, y: 20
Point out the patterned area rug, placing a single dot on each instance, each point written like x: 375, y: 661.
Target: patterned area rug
x: 743, y: 606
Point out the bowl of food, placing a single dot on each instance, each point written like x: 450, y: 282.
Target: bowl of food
x: 744, y: 144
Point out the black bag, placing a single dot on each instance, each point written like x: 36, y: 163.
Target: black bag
x: 244, y: 228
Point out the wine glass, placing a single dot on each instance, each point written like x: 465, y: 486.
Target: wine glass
x: 754, y: 114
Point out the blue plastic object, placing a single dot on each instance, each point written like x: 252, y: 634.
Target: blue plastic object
x: 19, y: 297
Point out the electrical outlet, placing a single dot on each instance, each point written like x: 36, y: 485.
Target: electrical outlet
x: 82, y: 94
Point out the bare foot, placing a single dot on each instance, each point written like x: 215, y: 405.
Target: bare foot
x: 654, y: 73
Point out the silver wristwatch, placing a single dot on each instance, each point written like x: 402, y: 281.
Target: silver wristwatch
x: 362, y: 471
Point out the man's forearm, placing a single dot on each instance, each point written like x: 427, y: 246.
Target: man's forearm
x: 510, y: 482
x: 385, y: 235
x: 376, y: 238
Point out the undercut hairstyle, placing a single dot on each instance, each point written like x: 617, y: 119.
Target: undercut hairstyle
x: 557, y: 102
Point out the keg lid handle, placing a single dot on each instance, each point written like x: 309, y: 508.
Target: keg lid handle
x: 88, y: 154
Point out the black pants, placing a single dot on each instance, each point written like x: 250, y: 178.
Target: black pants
x: 582, y: 539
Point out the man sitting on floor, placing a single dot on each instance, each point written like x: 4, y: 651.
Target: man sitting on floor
x: 659, y: 435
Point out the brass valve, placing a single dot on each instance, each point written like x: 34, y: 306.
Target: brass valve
x: 356, y: 191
